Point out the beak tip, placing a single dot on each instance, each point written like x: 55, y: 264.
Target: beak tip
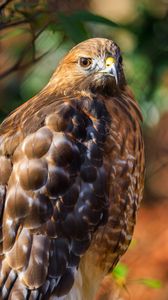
x: 112, y: 71
x: 116, y: 80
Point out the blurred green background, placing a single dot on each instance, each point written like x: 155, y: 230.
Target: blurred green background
x: 34, y: 35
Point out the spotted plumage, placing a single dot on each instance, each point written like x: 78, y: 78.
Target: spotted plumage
x: 71, y: 179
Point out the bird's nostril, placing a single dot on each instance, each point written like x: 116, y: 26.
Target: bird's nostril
x: 109, y: 61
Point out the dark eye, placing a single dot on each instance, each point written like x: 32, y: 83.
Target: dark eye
x: 85, y: 62
x: 120, y: 60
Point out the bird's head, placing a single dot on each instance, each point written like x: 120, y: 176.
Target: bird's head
x: 95, y: 65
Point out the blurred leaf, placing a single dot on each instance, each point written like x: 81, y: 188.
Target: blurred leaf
x: 12, y: 33
x: 151, y: 283
x: 24, y: 5
x: 120, y: 273
x: 73, y: 28
x: 86, y: 16
x: 47, y: 40
x: 74, y: 24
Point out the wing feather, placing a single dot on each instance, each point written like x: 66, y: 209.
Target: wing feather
x: 56, y: 197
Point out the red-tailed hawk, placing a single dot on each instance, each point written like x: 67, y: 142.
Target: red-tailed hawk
x: 71, y: 178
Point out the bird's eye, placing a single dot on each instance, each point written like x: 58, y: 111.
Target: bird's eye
x: 85, y: 62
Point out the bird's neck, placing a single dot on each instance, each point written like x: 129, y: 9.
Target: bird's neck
x: 65, y: 86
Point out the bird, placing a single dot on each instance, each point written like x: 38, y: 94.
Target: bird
x: 71, y: 178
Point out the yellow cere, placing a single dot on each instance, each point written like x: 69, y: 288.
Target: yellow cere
x: 109, y: 61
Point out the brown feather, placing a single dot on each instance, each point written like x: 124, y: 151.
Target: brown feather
x: 71, y: 180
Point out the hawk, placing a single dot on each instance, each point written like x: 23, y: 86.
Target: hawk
x: 71, y: 178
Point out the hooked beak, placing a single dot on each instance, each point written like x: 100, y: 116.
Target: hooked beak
x: 111, y: 68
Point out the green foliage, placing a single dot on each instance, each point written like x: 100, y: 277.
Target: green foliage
x: 120, y: 273
x: 86, y: 16
x: 73, y: 28
x: 151, y: 283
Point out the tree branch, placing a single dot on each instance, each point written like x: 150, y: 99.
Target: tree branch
x: 12, y: 24
x: 4, y: 4
x: 17, y: 66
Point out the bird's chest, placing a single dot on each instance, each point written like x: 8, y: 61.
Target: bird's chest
x: 124, y: 165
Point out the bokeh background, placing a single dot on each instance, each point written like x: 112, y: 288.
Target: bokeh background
x: 34, y: 35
